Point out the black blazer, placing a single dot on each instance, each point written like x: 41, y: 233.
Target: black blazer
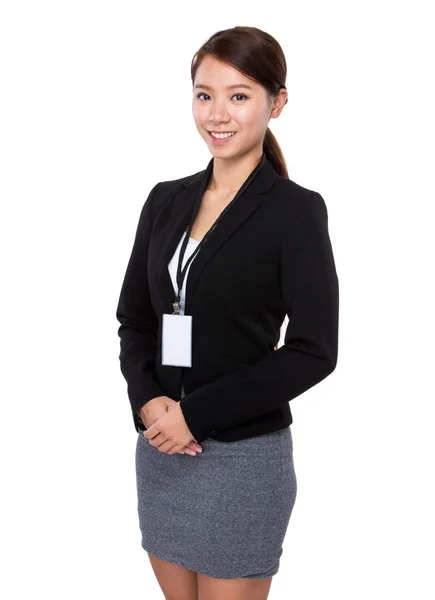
x: 269, y: 255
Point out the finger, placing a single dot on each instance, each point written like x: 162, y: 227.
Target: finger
x: 150, y: 432
x: 157, y: 440
x: 189, y: 451
x: 195, y: 446
x: 168, y: 447
x: 180, y: 449
x: 186, y: 450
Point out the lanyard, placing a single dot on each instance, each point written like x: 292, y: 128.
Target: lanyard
x: 182, y: 272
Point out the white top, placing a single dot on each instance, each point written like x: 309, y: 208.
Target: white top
x: 173, y: 264
x: 172, y: 267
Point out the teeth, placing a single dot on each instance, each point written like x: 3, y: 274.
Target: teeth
x: 222, y: 135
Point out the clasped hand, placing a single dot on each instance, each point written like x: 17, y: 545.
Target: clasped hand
x: 170, y: 432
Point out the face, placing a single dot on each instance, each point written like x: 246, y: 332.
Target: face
x: 224, y: 100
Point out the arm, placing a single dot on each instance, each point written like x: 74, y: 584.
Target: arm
x: 309, y: 353
x: 139, y: 324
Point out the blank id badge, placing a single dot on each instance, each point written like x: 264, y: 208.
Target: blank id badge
x: 177, y: 340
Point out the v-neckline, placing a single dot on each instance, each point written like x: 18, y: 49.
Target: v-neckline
x: 193, y: 239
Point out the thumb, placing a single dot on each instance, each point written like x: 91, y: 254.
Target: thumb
x: 171, y: 405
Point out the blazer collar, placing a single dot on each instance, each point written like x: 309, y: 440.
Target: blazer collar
x: 185, y: 195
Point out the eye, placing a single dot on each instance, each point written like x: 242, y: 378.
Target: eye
x: 204, y: 94
x: 244, y: 96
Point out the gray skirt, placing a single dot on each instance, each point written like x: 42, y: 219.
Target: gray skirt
x: 224, y: 512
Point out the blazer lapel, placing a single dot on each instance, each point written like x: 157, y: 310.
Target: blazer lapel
x: 247, y: 202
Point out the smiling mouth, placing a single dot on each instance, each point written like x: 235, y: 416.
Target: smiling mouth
x: 222, y: 138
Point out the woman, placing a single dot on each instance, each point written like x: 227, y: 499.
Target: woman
x: 219, y: 258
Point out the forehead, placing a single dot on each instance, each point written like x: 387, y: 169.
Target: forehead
x: 214, y: 75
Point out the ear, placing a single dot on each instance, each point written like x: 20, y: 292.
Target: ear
x: 279, y: 103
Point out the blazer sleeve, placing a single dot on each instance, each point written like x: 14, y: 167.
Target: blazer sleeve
x: 309, y: 354
x: 139, y: 324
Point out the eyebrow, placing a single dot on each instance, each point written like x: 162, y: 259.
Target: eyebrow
x: 228, y: 87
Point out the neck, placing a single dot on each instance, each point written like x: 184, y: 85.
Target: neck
x: 229, y: 174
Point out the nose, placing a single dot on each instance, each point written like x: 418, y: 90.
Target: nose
x: 218, y: 113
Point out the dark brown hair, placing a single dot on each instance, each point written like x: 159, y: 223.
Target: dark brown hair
x: 259, y: 57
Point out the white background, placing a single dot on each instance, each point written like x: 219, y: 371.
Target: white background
x: 96, y: 109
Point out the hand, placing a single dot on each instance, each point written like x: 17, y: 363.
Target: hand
x: 170, y: 432
x: 156, y: 408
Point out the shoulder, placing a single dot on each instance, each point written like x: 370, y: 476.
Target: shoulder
x: 164, y: 189
x: 167, y: 186
x: 299, y: 203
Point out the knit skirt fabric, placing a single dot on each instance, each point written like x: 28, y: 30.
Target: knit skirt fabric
x: 224, y: 512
